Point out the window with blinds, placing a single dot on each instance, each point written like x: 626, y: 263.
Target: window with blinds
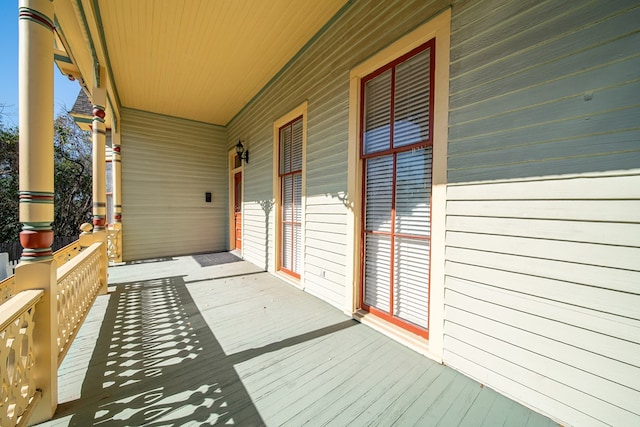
x: 396, y: 150
x: 290, y: 174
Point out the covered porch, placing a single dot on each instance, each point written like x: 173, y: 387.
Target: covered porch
x: 213, y: 339
x: 501, y: 239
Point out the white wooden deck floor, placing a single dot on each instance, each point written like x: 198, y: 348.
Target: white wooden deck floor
x: 175, y: 343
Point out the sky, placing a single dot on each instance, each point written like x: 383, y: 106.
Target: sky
x: 65, y: 91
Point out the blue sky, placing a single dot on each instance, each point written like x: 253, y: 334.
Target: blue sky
x: 65, y: 91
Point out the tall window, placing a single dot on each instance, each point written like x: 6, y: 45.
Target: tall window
x: 290, y: 173
x: 396, y: 150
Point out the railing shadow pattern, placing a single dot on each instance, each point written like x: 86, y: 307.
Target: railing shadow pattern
x: 156, y: 362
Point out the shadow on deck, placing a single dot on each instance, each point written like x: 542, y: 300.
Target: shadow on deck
x: 176, y: 343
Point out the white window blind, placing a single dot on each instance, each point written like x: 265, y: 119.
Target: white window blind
x: 411, y: 101
x: 379, y: 193
x: 377, y: 114
x: 411, y: 279
x: 397, y: 156
x: 291, y: 147
x: 285, y: 149
x: 296, y: 145
x: 413, y: 192
x: 377, y: 271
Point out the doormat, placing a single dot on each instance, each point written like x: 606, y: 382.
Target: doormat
x: 207, y: 260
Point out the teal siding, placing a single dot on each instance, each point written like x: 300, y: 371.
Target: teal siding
x: 319, y: 75
x: 551, y: 89
x: 543, y: 208
x: 541, y: 297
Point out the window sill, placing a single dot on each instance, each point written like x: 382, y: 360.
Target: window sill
x: 396, y: 333
x: 289, y: 279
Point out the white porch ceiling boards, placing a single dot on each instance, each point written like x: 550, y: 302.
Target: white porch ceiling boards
x: 204, y: 59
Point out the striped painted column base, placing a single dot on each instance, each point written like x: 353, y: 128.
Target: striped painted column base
x: 36, y: 244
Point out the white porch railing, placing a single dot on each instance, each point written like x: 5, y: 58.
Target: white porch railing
x: 41, y: 311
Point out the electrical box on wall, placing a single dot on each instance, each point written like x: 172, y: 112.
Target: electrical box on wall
x: 207, y: 197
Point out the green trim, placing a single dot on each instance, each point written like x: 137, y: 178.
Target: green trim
x: 37, y: 21
x: 39, y: 18
x: 94, y: 56
x: 35, y: 12
x: 35, y: 193
x: 304, y: 48
x: 35, y: 197
x: 36, y: 250
x: 36, y: 226
x: 35, y: 258
x: 114, y: 125
x: 174, y: 117
x: 36, y: 202
x: 103, y: 40
x: 82, y: 119
x: 96, y: 72
x: 67, y: 48
x: 62, y: 58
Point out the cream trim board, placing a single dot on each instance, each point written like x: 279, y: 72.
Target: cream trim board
x: 300, y: 110
x: 232, y: 217
x: 440, y: 29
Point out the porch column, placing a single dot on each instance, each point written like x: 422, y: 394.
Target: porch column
x: 37, y: 269
x: 116, y: 176
x: 99, y: 165
x: 116, y: 164
x: 36, y: 128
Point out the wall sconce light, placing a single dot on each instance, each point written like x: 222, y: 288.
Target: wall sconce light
x: 241, y: 153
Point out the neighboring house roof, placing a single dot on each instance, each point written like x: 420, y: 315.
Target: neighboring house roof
x: 81, y: 111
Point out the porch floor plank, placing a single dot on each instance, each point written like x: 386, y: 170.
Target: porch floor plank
x: 174, y: 343
x: 478, y: 410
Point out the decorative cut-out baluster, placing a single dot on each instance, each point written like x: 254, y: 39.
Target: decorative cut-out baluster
x: 16, y: 378
x: 77, y: 289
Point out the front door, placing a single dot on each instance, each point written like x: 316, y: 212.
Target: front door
x: 237, y: 208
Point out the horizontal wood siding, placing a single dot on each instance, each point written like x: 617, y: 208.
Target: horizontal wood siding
x: 549, y: 89
x: 542, y: 298
x: 544, y: 305
x: 168, y: 165
x: 319, y: 75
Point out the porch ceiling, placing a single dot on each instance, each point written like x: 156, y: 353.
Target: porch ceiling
x: 200, y: 59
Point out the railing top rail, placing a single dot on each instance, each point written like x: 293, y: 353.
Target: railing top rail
x: 68, y: 267
x: 69, y: 246
x: 6, y: 281
x: 7, y: 288
x: 68, y: 252
x: 18, y: 304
